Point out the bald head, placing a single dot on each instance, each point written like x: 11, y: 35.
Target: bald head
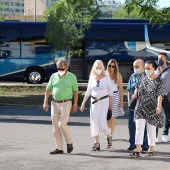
x: 139, y: 62
x: 138, y: 66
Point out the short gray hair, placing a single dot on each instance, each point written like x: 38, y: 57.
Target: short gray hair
x: 62, y: 62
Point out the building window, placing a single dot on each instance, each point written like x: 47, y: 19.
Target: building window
x: 17, y: 10
x: 17, y: 4
x: 6, y: 9
x: 6, y: 3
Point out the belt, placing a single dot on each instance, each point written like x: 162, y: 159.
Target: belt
x: 61, y: 101
x: 96, y: 100
x: 115, y: 91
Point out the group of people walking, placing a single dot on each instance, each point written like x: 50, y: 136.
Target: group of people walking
x: 105, y: 89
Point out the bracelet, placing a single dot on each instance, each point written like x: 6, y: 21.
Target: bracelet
x: 75, y: 105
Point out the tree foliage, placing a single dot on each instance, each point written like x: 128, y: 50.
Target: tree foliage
x: 67, y: 21
x: 149, y: 9
x: 1, y: 7
x: 123, y: 13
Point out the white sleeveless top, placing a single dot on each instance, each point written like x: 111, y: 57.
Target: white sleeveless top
x: 114, y: 86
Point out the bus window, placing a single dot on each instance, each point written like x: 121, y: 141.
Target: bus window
x: 10, y: 42
x: 115, y: 32
x: 161, y: 40
x: 34, y: 43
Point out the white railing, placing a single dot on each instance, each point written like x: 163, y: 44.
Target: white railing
x: 85, y: 84
x: 44, y: 84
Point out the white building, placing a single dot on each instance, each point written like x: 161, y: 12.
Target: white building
x: 12, y: 7
x: 20, y: 9
x: 108, y: 7
x: 27, y: 9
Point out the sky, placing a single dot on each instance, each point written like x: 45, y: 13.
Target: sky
x: 161, y: 3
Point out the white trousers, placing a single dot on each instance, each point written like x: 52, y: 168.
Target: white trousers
x: 140, y: 128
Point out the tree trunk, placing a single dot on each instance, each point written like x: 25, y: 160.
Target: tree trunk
x: 68, y: 56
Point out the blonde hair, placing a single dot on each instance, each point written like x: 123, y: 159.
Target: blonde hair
x: 97, y: 62
x: 116, y: 70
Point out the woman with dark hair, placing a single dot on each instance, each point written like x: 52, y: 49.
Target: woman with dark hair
x: 117, y: 104
x: 148, y: 110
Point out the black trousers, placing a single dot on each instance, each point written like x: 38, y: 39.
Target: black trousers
x: 166, y: 107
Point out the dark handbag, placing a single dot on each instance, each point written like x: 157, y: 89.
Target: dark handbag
x: 168, y: 96
x: 109, y: 114
x: 132, y: 103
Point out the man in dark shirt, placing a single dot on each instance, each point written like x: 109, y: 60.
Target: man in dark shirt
x: 165, y: 75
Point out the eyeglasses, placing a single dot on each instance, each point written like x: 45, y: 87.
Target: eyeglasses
x: 112, y: 66
x: 62, y: 69
x: 98, y: 83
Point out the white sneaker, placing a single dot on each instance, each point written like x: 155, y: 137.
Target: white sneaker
x: 164, y: 138
x: 157, y: 140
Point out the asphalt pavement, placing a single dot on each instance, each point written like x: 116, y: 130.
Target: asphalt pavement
x: 26, y: 139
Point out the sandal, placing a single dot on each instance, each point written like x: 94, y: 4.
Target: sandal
x: 96, y: 147
x: 135, y: 154
x: 109, y: 142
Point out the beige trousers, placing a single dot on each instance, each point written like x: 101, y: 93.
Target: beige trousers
x: 60, y: 113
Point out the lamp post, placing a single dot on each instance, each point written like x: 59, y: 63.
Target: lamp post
x: 35, y: 12
x: 25, y: 16
x: 12, y: 9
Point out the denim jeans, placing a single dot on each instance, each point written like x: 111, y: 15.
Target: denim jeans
x: 166, y: 126
x: 132, y: 131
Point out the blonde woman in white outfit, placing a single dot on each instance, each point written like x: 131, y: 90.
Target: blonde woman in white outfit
x: 100, y: 90
x: 117, y: 104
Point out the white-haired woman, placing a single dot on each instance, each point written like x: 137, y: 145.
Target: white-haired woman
x: 117, y: 104
x: 100, y: 90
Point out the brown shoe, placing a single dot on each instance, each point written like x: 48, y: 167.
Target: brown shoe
x: 57, y: 152
x: 69, y: 148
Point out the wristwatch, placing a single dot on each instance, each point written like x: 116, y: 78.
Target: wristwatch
x: 75, y: 105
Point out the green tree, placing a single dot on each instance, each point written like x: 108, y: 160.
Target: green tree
x: 149, y: 9
x: 1, y: 8
x: 123, y: 13
x: 67, y: 21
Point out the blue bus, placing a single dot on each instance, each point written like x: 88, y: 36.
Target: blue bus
x: 25, y: 53
x: 125, y: 40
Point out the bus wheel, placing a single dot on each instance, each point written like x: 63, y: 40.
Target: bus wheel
x: 35, y: 76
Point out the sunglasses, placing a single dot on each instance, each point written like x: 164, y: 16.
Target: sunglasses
x: 112, y: 66
x: 98, y: 83
x: 62, y: 69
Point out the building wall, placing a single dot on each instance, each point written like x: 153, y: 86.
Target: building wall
x: 24, y: 7
x: 41, y: 5
x: 12, y: 7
